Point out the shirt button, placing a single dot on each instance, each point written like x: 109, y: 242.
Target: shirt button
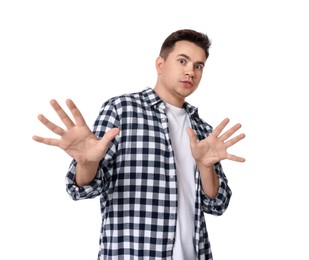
x: 171, y: 237
x: 173, y: 209
x: 164, y: 120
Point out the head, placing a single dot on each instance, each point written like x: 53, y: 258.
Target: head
x: 198, y: 38
x: 180, y: 65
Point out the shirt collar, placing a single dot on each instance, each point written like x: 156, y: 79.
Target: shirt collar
x: 152, y: 99
x: 189, y: 108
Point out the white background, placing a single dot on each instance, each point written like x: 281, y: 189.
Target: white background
x: 257, y: 74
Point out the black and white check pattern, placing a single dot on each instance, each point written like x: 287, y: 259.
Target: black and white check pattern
x: 137, y: 182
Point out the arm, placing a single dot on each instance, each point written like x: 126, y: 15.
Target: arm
x: 209, y: 179
x: 218, y: 204
x: 208, y: 152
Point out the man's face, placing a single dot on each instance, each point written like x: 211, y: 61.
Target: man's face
x: 180, y: 74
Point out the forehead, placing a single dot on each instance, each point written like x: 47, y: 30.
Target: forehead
x: 189, y: 49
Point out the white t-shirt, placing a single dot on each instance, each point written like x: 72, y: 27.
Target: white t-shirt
x: 178, y: 122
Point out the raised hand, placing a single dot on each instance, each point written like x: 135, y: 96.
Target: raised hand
x: 214, y: 148
x: 77, y: 139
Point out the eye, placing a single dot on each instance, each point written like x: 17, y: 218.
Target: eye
x: 182, y: 61
x: 199, y: 66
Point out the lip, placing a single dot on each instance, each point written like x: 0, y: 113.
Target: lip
x: 187, y: 83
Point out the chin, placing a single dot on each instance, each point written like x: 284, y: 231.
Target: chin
x: 188, y: 91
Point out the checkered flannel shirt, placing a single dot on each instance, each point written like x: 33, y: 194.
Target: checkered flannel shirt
x: 137, y: 181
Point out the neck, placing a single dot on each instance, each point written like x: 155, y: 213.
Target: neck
x: 168, y: 98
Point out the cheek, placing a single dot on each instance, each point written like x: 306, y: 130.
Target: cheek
x: 170, y: 74
x: 198, y: 76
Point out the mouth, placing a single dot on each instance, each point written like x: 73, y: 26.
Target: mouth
x: 187, y: 84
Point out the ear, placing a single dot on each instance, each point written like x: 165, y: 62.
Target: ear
x: 159, y: 64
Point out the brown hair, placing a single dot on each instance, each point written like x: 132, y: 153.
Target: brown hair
x: 200, y: 39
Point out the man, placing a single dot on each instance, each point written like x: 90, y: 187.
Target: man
x: 152, y: 160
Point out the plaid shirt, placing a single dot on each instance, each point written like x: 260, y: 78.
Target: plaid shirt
x: 137, y: 182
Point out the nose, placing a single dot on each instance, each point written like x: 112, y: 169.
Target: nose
x: 189, y: 71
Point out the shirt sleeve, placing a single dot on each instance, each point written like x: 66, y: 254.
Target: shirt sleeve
x: 219, y: 204
x: 88, y: 191
x: 106, y: 120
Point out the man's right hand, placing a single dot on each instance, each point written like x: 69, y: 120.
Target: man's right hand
x: 77, y: 140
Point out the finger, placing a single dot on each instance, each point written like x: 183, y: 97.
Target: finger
x: 192, y: 136
x: 79, y: 119
x: 230, y: 132
x: 51, y: 126
x: 62, y: 114
x: 48, y: 141
x: 235, y: 158
x: 216, y: 132
x: 234, y: 140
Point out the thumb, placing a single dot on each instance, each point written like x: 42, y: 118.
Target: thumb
x: 109, y: 136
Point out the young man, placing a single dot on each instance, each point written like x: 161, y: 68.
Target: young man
x: 152, y: 160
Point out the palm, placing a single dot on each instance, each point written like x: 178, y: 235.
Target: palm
x: 209, y: 151
x: 214, y: 148
x: 81, y: 144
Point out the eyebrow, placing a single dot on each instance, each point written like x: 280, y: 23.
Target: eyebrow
x: 187, y: 57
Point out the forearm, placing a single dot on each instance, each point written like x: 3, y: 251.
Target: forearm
x: 209, y: 179
x: 78, y: 192
x: 85, y: 173
x: 218, y: 204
